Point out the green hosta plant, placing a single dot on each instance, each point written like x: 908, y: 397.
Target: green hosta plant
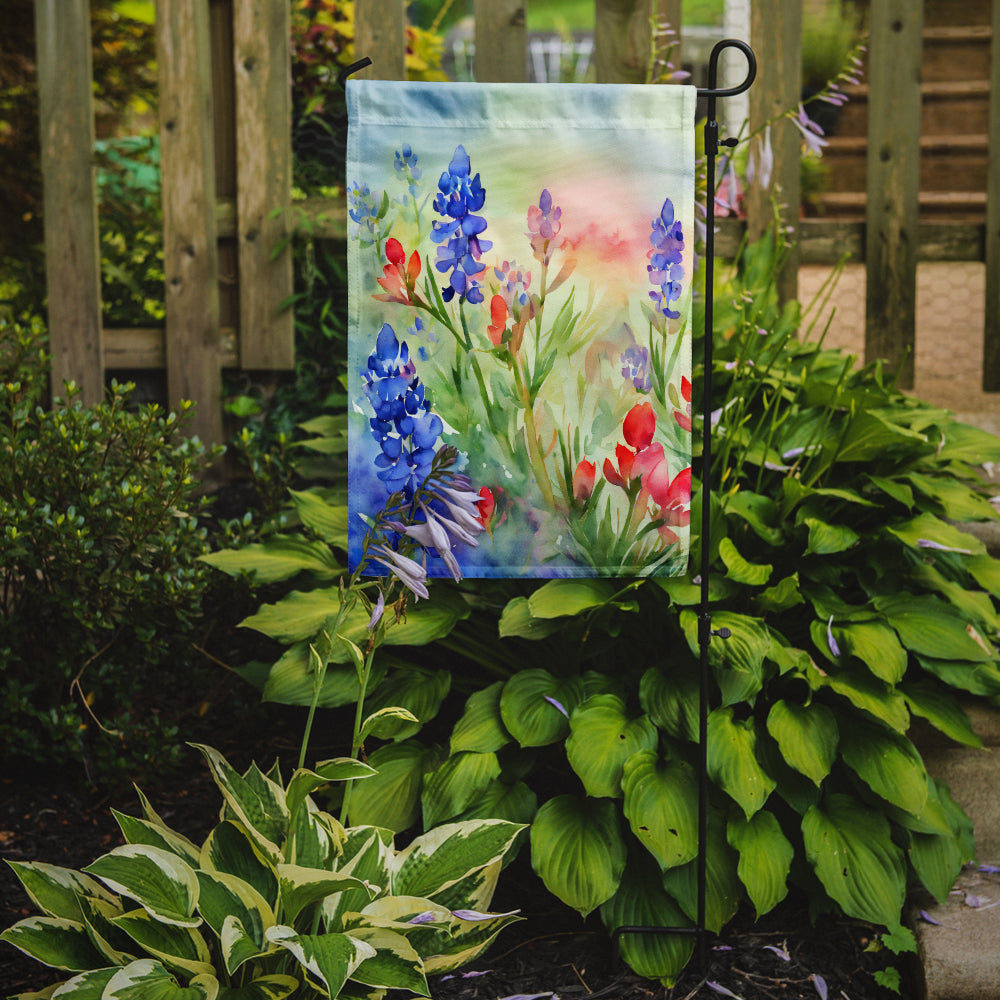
x: 279, y: 900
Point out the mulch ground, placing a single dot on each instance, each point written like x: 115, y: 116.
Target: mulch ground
x: 551, y: 952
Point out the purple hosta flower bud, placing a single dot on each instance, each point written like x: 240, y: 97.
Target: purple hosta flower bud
x: 427, y: 917
x: 557, y: 704
x: 831, y: 642
x: 462, y: 504
x: 377, y: 612
x: 475, y: 915
x: 927, y: 543
x: 811, y: 132
x: 543, y: 228
x: 409, y: 572
x: 760, y: 165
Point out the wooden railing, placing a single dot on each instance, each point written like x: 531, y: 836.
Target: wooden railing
x: 226, y: 161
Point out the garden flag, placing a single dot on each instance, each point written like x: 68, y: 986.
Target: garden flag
x: 520, y: 261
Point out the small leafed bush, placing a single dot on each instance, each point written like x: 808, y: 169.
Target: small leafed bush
x: 99, y: 578
x: 280, y: 899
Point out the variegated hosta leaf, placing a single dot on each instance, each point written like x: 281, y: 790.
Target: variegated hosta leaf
x: 147, y: 979
x: 850, y: 847
x: 765, y: 858
x: 441, y: 857
x: 273, y: 987
x: 116, y: 946
x: 86, y: 986
x: 301, y: 887
x: 329, y: 959
x: 661, y: 799
x: 456, y: 784
x: 141, y: 831
x: 602, y: 737
x: 256, y: 801
x: 723, y: 889
x: 56, y: 891
x: 395, y: 964
x: 177, y: 947
x: 642, y: 902
x: 391, y: 799
x: 481, y: 727
x: 224, y: 897
x: 230, y: 849
x: 476, y: 890
x: 315, y: 838
x: 54, y: 941
x: 416, y: 689
x: 367, y: 854
x: 535, y: 706
x: 888, y: 763
x: 304, y: 782
x: 807, y: 736
x: 578, y: 851
x: 467, y: 940
x: 158, y: 880
x: 732, y: 760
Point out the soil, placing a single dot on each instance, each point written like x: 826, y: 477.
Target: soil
x: 551, y: 952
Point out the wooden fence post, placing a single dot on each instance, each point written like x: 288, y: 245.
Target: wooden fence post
x: 501, y: 41
x: 893, y: 183
x: 380, y: 34
x: 190, y: 251
x: 776, y: 34
x: 262, y: 61
x: 991, y: 333
x: 623, y: 37
x: 72, y: 256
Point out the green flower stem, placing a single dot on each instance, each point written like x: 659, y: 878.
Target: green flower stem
x: 531, y: 437
x: 357, y: 739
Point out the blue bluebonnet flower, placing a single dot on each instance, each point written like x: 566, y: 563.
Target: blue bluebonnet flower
x: 514, y: 285
x: 406, y: 163
x: 665, y: 268
x: 635, y: 366
x: 404, y: 426
x: 458, y: 236
x: 364, y: 208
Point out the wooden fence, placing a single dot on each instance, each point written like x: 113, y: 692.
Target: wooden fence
x: 226, y: 161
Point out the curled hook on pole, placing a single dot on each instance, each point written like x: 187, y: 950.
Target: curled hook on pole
x: 347, y: 71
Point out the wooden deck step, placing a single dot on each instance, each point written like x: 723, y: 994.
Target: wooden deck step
x: 957, y: 206
x: 947, y: 106
x: 956, y: 53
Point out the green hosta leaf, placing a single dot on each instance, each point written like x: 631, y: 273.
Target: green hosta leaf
x: 481, y: 728
x: 517, y: 620
x: 941, y: 709
x: 973, y: 604
x: 225, y: 897
x: 535, y: 706
x: 888, y: 763
x: 395, y: 964
x: 516, y: 803
x: 602, y: 738
x: 965, y: 443
x: 160, y: 882
x: 56, y: 891
x: 751, y: 574
x: 274, y: 987
x: 765, y: 858
x: 142, y: 831
x: 732, y: 760
x: 327, y: 520
x: 578, y: 851
x: 723, y: 889
x: 876, y: 646
x: 927, y: 528
x: 684, y: 592
x: 931, y: 628
x: 893, y: 488
x: 661, y: 798
x: 391, y: 798
x: 263, y: 812
x: 386, y: 723
x: 147, y: 979
x: 330, y: 959
x: 301, y: 887
x: 279, y: 558
x: 671, y: 700
x: 828, y: 539
x: 869, y: 436
x: 641, y: 901
x: 850, y: 847
x: 976, y: 678
x: 456, y: 784
x: 230, y: 849
x: 957, y: 501
x: 865, y: 692
x: 559, y: 598
x: 937, y: 858
x: 54, y: 941
x: 760, y: 512
x: 738, y: 661
x: 783, y: 595
x: 438, y: 859
x: 416, y: 689
x: 986, y: 572
x: 292, y: 680
x: 807, y: 736
x: 180, y: 948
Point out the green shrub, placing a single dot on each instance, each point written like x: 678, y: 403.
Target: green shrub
x: 854, y: 604
x: 279, y: 900
x: 99, y: 540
